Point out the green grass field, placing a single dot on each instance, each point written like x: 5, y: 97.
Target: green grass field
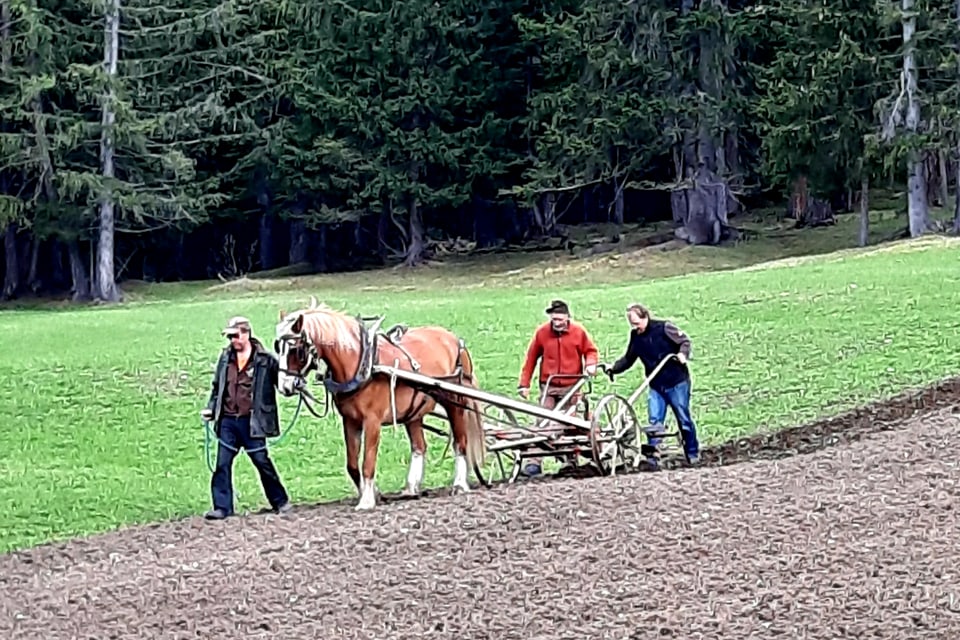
x: 100, y: 405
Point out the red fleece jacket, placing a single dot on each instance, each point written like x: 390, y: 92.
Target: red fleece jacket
x: 559, y: 353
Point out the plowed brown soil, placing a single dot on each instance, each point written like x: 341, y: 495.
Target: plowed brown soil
x: 856, y: 540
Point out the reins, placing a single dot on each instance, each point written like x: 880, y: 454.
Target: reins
x: 307, y: 399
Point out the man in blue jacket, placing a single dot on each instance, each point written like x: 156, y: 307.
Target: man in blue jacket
x: 652, y: 340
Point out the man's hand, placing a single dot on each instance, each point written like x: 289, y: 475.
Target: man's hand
x: 591, y: 370
x: 524, y: 392
x: 206, y: 414
x: 605, y: 368
x: 682, y: 358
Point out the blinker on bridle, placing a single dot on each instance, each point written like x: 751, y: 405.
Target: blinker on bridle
x: 307, y: 352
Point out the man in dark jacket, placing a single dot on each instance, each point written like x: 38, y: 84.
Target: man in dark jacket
x: 650, y: 342
x: 243, y: 409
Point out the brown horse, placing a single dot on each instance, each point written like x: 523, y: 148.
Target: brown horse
x: 364, y: 398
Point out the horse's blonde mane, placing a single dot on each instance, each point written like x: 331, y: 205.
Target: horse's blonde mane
x: 327, y: 326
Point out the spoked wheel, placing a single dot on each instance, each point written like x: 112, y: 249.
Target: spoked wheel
x: 614, y: 434
x: 499, y: 426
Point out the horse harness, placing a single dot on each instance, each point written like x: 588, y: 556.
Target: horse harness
x: 368, y: 355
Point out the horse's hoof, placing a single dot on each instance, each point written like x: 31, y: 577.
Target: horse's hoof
x: 460, y: 489
x: 411, y: 492
x: 365, y: 506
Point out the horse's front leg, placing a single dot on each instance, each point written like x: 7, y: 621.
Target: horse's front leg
x: 418, y: 452
x: 352, y: 431
x: 368, y: 486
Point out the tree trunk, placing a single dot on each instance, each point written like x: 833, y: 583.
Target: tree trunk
x: 320, y: 253
x: 545, y: 213
x: 78, y: 272
x: 944, y: 180
x: 299, y: 242
x: 11, y: 280
x: 864, y: 238
x: 956, y: 204
x: 917, y: 213
x: 383, y: 230
x: 415, y: 247
x: 706, y: 143
x: 33, y: 279
x: 107, y: 289
x: 267, y: 257
x: 6, y: 47
x: 618, y: 203
x: 702, y: 209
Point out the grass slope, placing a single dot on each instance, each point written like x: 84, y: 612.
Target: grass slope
x: 100, y: 404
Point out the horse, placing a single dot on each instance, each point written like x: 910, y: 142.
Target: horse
x: 365, y: 399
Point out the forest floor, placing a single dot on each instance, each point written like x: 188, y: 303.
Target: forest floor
x: 644, y: 251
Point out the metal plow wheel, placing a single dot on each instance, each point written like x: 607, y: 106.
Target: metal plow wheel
x: 501, y: 428
x: 614, y: 434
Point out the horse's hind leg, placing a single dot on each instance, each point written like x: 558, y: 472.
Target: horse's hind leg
x: 418, y: 452
x: 368, y: 486
x: 458, y: 418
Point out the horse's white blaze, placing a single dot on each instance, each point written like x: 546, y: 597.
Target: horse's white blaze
x: 415, y: 473
x: 460, y: 473
x: 285, y: 382
x: 368, y: 494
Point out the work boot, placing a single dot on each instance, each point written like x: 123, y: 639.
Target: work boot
x: 215, y: 514
x: 284, y: 508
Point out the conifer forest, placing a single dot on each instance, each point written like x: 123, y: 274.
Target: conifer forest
x: 189, y: 139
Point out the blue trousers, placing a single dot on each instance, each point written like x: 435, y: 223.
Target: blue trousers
x: 678, y: 399
x: 234, y: 435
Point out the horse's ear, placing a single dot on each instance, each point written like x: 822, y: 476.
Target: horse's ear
x: 297, y: 325
x: 313, y: 302
x: 282, y: 314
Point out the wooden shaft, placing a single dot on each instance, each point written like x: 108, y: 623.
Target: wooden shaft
x: 421, y: 380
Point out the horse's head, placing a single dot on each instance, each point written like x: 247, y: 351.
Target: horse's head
x: 305, y: 338
x: 294, y: 352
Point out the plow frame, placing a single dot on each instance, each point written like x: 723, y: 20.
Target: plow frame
x: 610, y: 435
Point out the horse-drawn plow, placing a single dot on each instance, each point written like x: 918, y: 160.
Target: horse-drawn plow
x: 609, y: 437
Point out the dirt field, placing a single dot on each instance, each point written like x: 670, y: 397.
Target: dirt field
x: 845, y: 529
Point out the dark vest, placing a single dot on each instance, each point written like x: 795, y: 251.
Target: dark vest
x: 652, y: 346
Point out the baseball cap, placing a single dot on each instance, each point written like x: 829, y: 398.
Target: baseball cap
x: 237, y: 324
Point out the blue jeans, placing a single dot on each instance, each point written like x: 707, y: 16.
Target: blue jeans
x: 678, y: 399
x: 234, y: 435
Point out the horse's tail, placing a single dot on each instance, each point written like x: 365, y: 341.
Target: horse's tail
x: 476, y: 442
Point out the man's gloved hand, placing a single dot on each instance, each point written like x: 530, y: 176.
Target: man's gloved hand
x: 206, y: 414
x: 524, y: 392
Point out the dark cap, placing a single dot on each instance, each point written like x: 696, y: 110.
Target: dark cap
x: 558, y: 306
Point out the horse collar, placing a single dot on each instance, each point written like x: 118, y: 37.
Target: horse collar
x: 364, y: 373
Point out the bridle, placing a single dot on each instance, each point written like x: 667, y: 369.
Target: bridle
x: 309, y: 356
x: 307, y: 353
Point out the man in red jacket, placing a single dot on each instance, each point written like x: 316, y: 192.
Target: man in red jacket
x: 563, y: 347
